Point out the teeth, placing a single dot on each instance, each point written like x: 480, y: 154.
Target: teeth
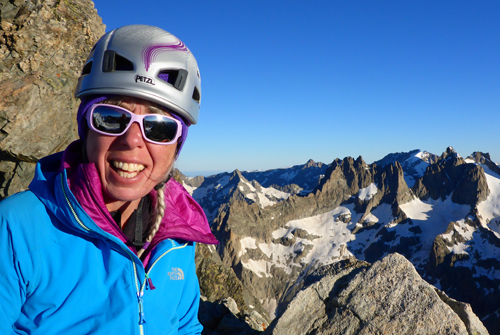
x: 128, y: 170
x: 127, y: 174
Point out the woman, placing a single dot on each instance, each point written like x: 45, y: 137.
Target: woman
x: 103, y: 240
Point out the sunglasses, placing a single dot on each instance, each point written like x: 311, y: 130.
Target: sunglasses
x: 115, y: 121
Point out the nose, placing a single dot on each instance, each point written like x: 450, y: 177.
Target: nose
x: 133, y: 136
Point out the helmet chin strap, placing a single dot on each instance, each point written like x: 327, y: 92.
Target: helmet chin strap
x: 161, y: 184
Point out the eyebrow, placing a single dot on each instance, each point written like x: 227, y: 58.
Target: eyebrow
x: 152, y: 109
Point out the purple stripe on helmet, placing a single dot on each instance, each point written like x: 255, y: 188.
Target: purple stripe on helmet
x: 150, y: 52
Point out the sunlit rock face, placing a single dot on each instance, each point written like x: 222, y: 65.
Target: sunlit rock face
x: 43, y: 46
x: 388, y: 297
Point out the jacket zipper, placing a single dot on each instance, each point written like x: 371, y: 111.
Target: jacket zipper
x: 139, y: 292
x: 156, y: 261
x: 71, y: 207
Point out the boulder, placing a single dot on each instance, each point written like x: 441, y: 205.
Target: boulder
x: 388, y: 297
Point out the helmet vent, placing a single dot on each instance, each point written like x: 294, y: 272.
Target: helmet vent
x: 123, y: 64
x: 114, y: 62
x: 87, y: 68
x: 176, y: 78
x: 196, y: 95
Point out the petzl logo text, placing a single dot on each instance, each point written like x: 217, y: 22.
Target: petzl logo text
x: 176, y: 274
x: 143, y: 79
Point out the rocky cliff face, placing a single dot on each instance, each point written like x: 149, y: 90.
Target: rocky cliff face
x: 43, y: 45
x: 451, y: 174
x: 388, y: 297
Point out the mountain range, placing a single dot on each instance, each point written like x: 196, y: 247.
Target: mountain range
x: 442, y: 213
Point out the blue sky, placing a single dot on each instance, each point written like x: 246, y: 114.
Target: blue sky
x: 286, y: 81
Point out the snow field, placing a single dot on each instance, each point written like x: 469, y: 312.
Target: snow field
x: 433, y: 217
x: 489, y: 209
x: 330, y: 234
x: 262, y: 197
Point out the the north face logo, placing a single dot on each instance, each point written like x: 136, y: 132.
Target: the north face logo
x: 176, y: 274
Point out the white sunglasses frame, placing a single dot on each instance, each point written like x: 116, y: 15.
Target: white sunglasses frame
x: 134, y: 118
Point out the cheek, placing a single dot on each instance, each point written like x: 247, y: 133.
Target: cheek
x: 96, y: 146
x: 163, y: 156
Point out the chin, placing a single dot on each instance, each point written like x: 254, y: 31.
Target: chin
x: 125, y: 195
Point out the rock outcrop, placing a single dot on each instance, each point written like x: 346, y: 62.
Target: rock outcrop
x: 223, y: 305
x: 388, y: 297
x: 43, y: 45
x: 452, y: 175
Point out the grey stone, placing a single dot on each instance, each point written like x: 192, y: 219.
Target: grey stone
x: 388, y: 297
x: 43, y: 45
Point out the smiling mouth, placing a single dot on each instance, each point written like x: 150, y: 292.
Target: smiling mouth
x: 127, y: 170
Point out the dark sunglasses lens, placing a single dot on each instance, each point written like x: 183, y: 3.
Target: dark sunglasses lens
x: 159, y: 128
x: 110, y: 120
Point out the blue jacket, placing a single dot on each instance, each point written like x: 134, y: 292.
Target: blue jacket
x: 62, y: 274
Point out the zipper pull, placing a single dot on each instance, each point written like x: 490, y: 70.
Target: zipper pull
x: 149, y: 283
x: 151, y: 286
x: 142, y: 318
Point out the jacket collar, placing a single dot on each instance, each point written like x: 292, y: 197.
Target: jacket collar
x: 184, y: 218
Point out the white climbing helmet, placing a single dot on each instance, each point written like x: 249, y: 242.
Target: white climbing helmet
x: 144, y: 62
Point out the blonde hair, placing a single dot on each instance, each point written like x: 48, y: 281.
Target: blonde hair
x: 159, y: 211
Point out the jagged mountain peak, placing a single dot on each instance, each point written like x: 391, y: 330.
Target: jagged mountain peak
x: 451, y: 155
x: 450, y: 149
x: 414, y: 163
x: 237, y: 176
x: 480, y: 157
x: 485, y: 160
x: 360, y: 162
x: 363, y: 210
x: 309, y: 163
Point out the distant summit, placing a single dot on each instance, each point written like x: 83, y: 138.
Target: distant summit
x: 413, y: 163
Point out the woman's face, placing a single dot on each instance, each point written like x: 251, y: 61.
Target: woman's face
x: 129, y: 167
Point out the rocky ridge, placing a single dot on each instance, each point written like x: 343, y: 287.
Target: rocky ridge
x: 43, y: 46
x: 340, y: 299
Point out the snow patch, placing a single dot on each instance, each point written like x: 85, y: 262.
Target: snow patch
x: 433, y: 218
x: 459, y: 248
x: 489, y: 209
x: 326, y: 243
x: 259, y: 267
x: 188, y: 188
x: 247, y: 243
x: 367, y: 193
